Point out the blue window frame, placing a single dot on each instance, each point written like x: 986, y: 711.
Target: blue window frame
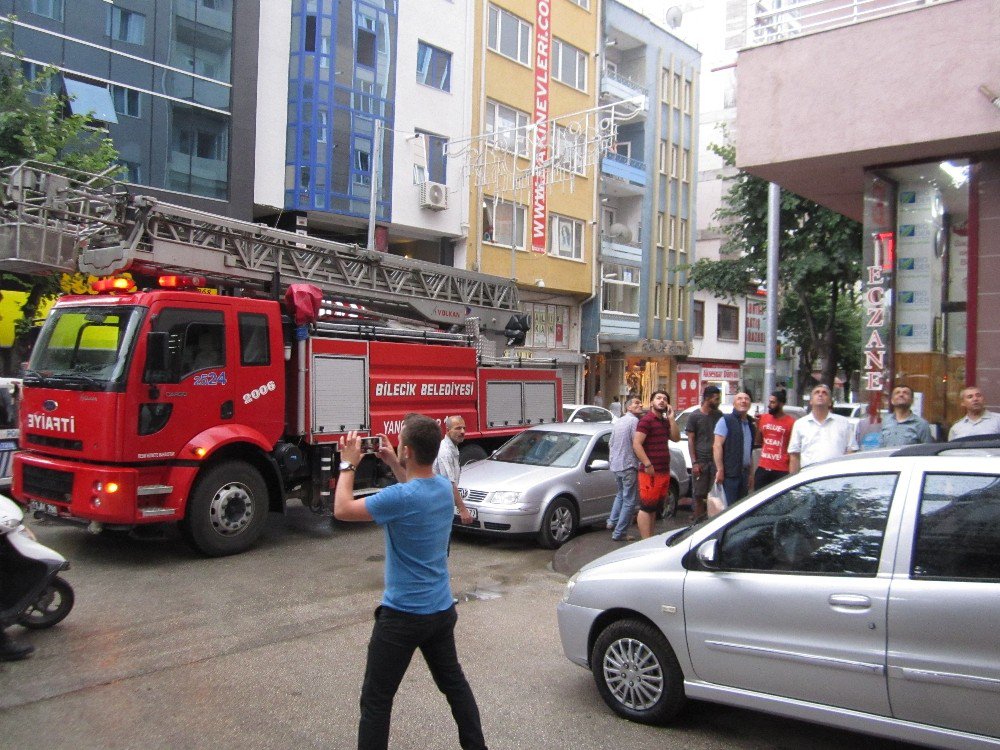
x: 433, y: 66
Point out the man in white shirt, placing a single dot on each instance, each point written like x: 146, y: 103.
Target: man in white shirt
x: 820, y: 435
x: 447, y: 464
x: 977, y: 420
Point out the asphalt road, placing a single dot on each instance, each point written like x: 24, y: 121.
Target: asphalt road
x: 165, y: 649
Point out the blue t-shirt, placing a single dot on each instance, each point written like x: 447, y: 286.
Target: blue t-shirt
x: 417, y: 517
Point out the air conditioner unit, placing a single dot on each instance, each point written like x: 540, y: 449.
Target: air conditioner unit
x: 433, y: 195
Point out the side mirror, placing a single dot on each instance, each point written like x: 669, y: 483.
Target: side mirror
x: 158, y: 365
x: 708, y: 554
x: 599, y: 465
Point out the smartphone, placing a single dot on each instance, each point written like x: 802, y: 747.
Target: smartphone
x: 371, y: 444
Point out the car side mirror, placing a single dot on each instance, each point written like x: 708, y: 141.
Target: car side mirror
x: 708, y: 554
x: 599, y: 464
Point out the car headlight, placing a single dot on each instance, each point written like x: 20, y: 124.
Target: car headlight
x: 570, y: 584
x: 504, y: 498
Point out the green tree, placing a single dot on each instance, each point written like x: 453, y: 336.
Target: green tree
x: 36, y: 124
x: 818, y: 273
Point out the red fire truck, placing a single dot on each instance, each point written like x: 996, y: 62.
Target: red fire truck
x: 153, y: 401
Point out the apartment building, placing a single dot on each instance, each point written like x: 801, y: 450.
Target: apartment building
x: 639, y: 327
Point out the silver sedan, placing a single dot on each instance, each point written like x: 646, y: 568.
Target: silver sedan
x: 547, y: 481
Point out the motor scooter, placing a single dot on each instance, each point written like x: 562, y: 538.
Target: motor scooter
x: 32, y: 593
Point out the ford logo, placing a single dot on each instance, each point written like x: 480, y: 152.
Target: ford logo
x: 50, y: 405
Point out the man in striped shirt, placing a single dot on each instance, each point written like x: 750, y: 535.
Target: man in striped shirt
x: 652, y: 448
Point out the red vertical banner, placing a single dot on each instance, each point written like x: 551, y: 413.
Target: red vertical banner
x: 688, y: 390
x: 543, y: 39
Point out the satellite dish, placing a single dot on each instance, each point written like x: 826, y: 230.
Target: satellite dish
x: 673, y: 16
x: 620, y: 232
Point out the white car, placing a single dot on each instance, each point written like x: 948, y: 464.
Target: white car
x: 586, y: 413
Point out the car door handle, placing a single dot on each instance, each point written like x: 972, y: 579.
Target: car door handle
x: 852, y: 601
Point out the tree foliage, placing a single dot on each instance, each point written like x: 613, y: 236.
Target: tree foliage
x: 35, y: 124
x: 818, y: 272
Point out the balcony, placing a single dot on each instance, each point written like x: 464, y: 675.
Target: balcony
x: 626, y: 171
x: 791, y: 19
x: 618, y: 87
x: 621, y: 246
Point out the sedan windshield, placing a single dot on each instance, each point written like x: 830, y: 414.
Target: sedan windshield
x: 84, y: 347
x: 543, y: 448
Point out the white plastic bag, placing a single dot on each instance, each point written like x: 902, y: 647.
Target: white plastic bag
x: 716, y: 500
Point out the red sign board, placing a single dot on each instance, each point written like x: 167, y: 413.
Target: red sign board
x: 543, y: 39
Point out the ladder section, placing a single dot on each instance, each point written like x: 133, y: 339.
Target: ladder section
x: 54, y: 219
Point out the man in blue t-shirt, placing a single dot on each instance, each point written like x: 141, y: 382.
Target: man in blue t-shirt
x: 417, y: 609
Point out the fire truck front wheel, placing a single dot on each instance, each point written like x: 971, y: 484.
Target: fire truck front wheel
x: 227, y: 510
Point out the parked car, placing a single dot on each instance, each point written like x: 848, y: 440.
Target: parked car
x: 548, y: 481
x: 861, y: 593
x: 585, y: 413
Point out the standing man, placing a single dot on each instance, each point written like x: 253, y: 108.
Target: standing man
x: 615, y: 407
x: 820, y: 434
x: 652, y: 448
x: 903, y: 427
x: 598, y: 398
x: 977, y: 420
x: 417, y: 609
x: 625, y: 465
x: 774, y: 431
x: 447, y: 462
x: 701, y: 438
x: 732, y: 449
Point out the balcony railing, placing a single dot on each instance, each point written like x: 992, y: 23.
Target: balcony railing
x: 628, y: 170
x: 771, y: 21
x: 634, y: 86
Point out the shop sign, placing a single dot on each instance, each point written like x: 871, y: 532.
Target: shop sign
x: 658, y: 346
x: 720, y: 373
x: 879, y: 254
x: 755, y: 323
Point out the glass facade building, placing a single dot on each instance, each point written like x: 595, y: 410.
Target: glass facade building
x: 163, y: 67
x: 341, y: 82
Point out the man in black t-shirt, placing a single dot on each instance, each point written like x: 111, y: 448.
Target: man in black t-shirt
x: 701, y: 436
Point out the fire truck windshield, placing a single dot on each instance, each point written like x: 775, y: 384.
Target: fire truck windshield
x: 84, y: 348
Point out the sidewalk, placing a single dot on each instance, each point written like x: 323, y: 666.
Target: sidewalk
x: 594, y: 542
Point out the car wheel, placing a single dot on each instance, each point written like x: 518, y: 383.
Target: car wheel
x: 637, y: 673
x: 558, y: 524
x: 668, y: 508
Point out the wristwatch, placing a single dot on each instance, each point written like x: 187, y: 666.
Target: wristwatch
x: 346, y: 466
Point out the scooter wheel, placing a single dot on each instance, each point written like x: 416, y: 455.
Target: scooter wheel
x: 51, y: 607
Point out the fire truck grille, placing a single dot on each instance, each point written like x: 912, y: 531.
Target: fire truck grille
x: 47, y: 483
x: 52, y: 442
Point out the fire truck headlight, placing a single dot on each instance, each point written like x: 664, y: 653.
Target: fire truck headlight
x: 504, y: 498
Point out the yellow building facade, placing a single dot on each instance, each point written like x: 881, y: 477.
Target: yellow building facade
x: 521, y: 43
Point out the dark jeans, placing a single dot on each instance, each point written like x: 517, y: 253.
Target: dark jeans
x: 736, y: 487
x: 395, y: 637
x: 763, y: 477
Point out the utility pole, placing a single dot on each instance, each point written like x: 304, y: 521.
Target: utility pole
x: 771, y: 329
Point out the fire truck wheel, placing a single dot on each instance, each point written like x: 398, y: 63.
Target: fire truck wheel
x: 470, y: 452
x: 227, y: 510
x: 558, y: 524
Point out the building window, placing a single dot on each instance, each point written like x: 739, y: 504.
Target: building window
x: 675, y: 98
x: 674, y: 159
x: 322, y: 125
x: 569, y: 65
x: 685, y: 162
x: 433, y: 67
x: 126, y: 100
x: 699, y: 318
x: 362, y: 166
x: 687, y: 96
x: 503, y: 223
x: 48, y: 8
x: 509, y: 35
x: 41, y: 82
x: 659, y: 228
x: 657, y: 299
x: 126, y: 25
x: 670, y: 301
x: 585, y: 4
x: 729, y: 323
x: 549, y: 326
x: 431, y: 158
x: 671, y: 236
x: 665, y: 85
x: 663, y: 156
x: 565, y: 237
x: 131, y: 171
x: 682, y: 242
x: 620, y: 289
x: 509, y: 127
x: 682, y: 300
